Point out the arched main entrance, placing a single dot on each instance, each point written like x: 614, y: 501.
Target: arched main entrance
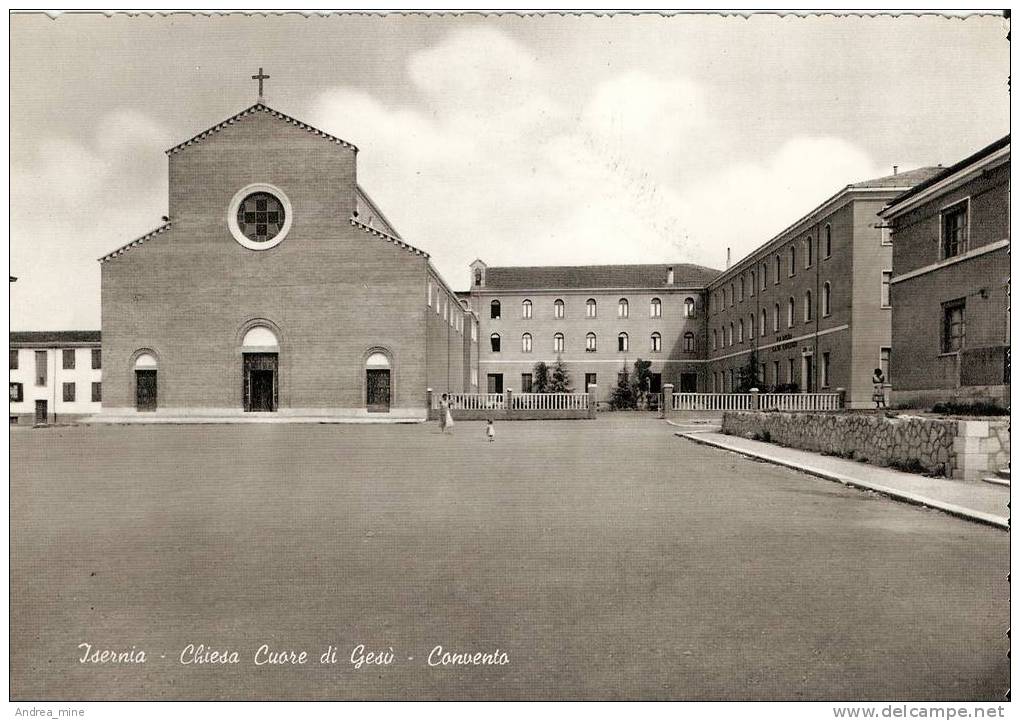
x: 377, y: 382
x: 260, y: 349
x: 146, y: 388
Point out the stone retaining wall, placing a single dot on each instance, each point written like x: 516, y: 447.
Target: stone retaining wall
x: 954, y: 448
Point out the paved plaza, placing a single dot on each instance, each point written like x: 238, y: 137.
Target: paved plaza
x: 609, y: 559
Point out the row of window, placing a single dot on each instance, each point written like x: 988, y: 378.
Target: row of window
x: 726, y: 336
x: 591, y: 308
x: 70, y: 392
x: 67, y: 358
x: 447, y: 307
x: 591, y: 343
x: 740, y: 288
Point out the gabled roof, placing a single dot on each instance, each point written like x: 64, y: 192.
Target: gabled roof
x: 55, y: 337
x: 386, y: 236
x: 137, y: 241
x: 553, y: 277
x: 259, y: 108
x: 906, y: 179
x: 944, y: 173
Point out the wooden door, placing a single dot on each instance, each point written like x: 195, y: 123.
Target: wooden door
x: 261, y: 382
x: 145, y: 390
x: 377, y: 391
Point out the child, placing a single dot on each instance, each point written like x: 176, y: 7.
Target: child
x: 490, y: 431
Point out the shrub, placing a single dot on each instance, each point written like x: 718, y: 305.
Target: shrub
x: 973, y: 408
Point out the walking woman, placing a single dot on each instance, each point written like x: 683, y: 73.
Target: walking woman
x: 445, y: 415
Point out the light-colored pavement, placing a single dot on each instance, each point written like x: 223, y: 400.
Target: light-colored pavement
x: 977, y: 501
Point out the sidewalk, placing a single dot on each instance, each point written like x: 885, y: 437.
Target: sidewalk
x: 976, y: 501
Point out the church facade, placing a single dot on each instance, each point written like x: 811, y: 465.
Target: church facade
x: 276, y: 286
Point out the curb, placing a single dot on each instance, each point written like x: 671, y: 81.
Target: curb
x: 1000, y: 522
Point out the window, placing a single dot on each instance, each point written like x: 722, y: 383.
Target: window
x: 779, y: 269
x: 558, y: 308
x: 622, y: 342
x: 474, y: 378
x: 732, y: 385
x: 775, y: 372
x: 558, y: 343
x: 775, y: 320
x: 954, y: 230
x: 429, y: 298
x: 741, y: 289
x: 656, y: 308
x: 808, y: 307
x: 740, y: 331
x: 764, y: 276
x: 623, y: 308
x: 590, y: 343
x: 688, y: 307
x: 14, y: 359
x: 40, y: 367
x: 790, y: 312
x: 764, y: 325
x: 97, y: 392
x: 825, y: 370
x: 729, y: 335
x: 886, y: 277
x: 793, y: 261
x: 751, y: 285
x: 591, y: 308
x: 715, y: 339
x: 69, y: 392
x: 260, y: 217
x: 828, y: 241
x: 732, y: 295
x: 809, y: 252
x: 68, y: 359
x: 590, y: 379
x: 527, y: 383
x: 526, y: 343
x: 526, y: 309
x: 657, y: 342
x: 884, y: 362
x: 886, y: 232
x: 791, y: 370
x: 17, y: 393
x: 750, y: 326
x: 446, y: 309
x: 954, y: 326
x: 478, y: 277
x: 688, y: 342
x: 474, y: 331
x: 826, y: 300
x: 97, y: 359
x: 494, y: 342
x: 494, y: 309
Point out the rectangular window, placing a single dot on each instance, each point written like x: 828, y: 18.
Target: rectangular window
x: 97, y: 359
x: 17, y: 393
x: 775, y: 373
x: 474, y: 378
x: 764, y: 275
x: 97, y: 392
x: 68, y: 356
x: 886, y: 234
x: 589, y: 380
x: 954, y: 326
x: 429, y: 299
x: 886, y: 277
x: 40, y: 367
x: 527, y: 383
x: 954, y: 230
x: 494, y: 309
x: 69, y: 393
x: 809, y: 252
x: 825, y: 370
x: 14, y: 359
x: 884, y: 358
x: 791, y: 370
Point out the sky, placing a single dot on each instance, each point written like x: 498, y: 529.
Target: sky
x: 522, y: 140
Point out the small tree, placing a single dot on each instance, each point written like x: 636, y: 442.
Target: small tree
x: 560, y: 380
x: 748, y: 374
x: 623, y: 396
x: 642, y: 380
x: 541, y: 381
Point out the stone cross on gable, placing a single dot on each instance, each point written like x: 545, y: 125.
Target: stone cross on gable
x: 260, y: 77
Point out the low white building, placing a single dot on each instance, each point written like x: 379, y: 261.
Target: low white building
x: 56, y: 376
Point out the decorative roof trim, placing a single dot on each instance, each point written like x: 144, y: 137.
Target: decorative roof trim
x: 386, y: 236
x: 137, y: 241
x: 260, y: 108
